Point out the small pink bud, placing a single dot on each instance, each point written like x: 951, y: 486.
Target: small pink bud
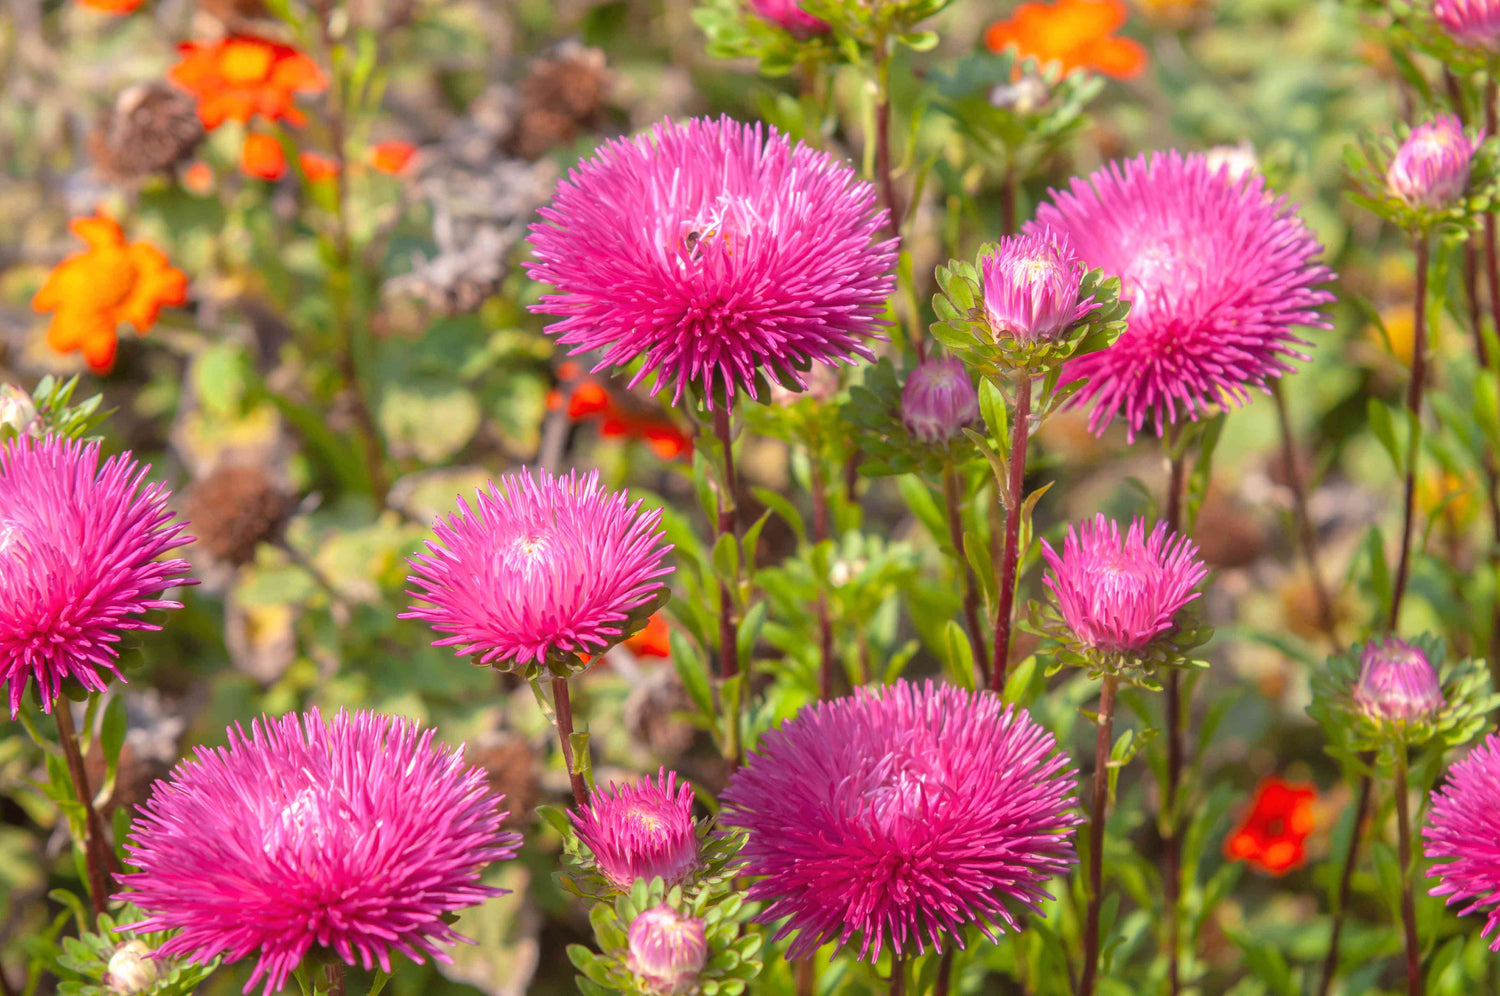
x: 939, y: 400
x: 667, y: 950
x: 131, y: 969
x: 1431, y: 169
x: 1031, y: 287
x: 790, y: 15
x: 1397, y: 682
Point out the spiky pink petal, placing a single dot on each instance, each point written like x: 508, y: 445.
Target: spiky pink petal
x: 1031, y: 284
x: 641, y: 831
x: 1463, y: 832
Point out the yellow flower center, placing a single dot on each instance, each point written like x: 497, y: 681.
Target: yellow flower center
x: 244, y: 63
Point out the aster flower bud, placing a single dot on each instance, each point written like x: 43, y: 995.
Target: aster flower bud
x: 1397, y: 682
x: 939, y: 400
x: 1026, y: 95
x: 16, y: 410
x: 1236, y: 161
x: 667, y: 950
x: 1031, y: 286
x: 1473, y: 23
x: 131, y: 969
x: 789, y: 14
x: 1431, y: 169
x: 641, y: 831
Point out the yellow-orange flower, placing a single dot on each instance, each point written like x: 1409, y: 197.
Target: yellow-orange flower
x: 262, y: 157
x: 1074, y: 33
x: 243, y: 76
x: 391, y: 157
x: 92, y: 292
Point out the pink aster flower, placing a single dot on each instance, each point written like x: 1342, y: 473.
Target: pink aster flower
x: 718, y: 253
x: 79, y: 549
x: 1396, y: 682
x: 1431, y: 169
x: 789, y: 14
x: 1031, y: 286
x: 1463, y: 832
x: 357, y: 836
x: 667, y: 950
x: 1217, y: 271
x: 1118, y: 593
x: 902, y: 815
x: 938, y: 400
x: 1475, y: 23
x: 541, y: 569
x: 641, y: 831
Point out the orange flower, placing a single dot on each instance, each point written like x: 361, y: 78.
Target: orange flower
x: 111, y: 6
x: 92, y: 292
x: 588, y: 399
x: 317, y: 167
x: 262, y: 157
x: 199, y: 178
x: 1075, y: 33
x: 392, y: 157
x: 1273, y: 834
x: 243, y: 76
x: 653, y: 641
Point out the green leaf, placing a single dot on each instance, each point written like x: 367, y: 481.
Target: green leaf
x: 960, y: 655
x: 693, y: 670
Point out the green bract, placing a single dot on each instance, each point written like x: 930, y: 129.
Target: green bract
x: 1173, y: 649
x: 718, y: 861
x: 86, y: 961
x: 1368, y: 161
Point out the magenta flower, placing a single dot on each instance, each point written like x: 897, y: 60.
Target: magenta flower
x: 1217, y: 271
x: 79, y: 549
x: 357, y: 836
x: 1031, y: 286
x: 641, y: 831
x: 718, y: 253
x: 789, y: 14
x: 938, y: 400
x: 1396, y: 682
x: 1431, y: 169
x: 1475, y: 23
x: 667, y: 950
x: 1463, y: 830
x: 1116, y: 593
x: 902, y: 815
x: 541, y: 570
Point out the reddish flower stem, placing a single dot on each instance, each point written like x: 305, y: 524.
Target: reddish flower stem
x: 98, y: 858
x: 1403, y: 855
x: 826, y: 663
x: 729, y: 623
x: 1414, y: 407
x: 563, y: 706
x: 1098, y: 817
x: 971, y: 583
x: 1010, y: 556
x: 1171, y: 847
x: 945, y: 973
x: 1346, y: 881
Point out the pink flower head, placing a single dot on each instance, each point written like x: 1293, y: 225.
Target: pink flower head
x: 1475, y: 23
x: 357, y: 836
x: 1217, y: 271
x: 1463, y: 830
x: 939, y: 400
x: 1031, y: 286
x: 667, y: 950
x: 789, y: 14
x: 1116, y: 593
x: 641, y: 831
x: 1396, y: 682
x: 79, y: 549
x: 717, y: 252
x: 541, y: 569
x: 1431, y: 169
x: 902, y: 815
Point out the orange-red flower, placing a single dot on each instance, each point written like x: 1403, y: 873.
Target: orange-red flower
x: 199, y: 178
x: 587, y: 399
x: 243, y: 76
x: 653, y: 641
x: 90, y: 293
x: 392, y: 157
x: 111, y: 6
x: 316, y: 166
x: 1075, y: 33
x: 1273, y: 834
x: 262, y: 157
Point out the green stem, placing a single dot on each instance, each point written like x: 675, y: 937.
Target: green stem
x: 1011, y: 554
x: 1098, y: 818
x: 563, y: 707
x: 98, y: 858
x: 1414, y: 410
x: 729, y: 624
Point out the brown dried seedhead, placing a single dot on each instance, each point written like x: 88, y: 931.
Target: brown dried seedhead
x: 150, y: 130
x: 564, y: 94
x: 234, y: 509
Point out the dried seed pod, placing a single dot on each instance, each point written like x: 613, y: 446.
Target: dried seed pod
x: 150, y: 130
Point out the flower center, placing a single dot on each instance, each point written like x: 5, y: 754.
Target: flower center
x: 300, y: 822
x: 716, y: 228
x: 10, y: 539
x: 244, y: 63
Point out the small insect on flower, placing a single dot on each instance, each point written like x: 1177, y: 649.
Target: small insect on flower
x: 1462, y: 837
x: 1472, y: 23
x: 903, y: 816
x: 243, y: 77
x: 641, y: 831
x: 1397, y: 683
x: 789, y: 14
x: 541, y: 571
x: 939, y: 400
x: 720, y: 254
x: 1273, y: 834
x: 1119, y: 593
x: 1431, y: 168
x: 1031, y: 284
x: 1218, y: 271
x: 113, y: 281
x: 80, y: 549
x: 354, y: 838
x: 667, y: 950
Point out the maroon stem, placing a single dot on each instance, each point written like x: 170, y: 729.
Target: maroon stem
x: 826, y: 666
x: 1305, y: 530
x: 563, y: 705
x: 1008, y: 190
x: 98, y: 857
x: 1346, y: 882
x: 898, y: 977
x: 805, y: 976
x: 971, y: 583
x: 1171, y: 846
x: 333, y: 973
x: 1491, y: 259
x: 1098, y: 816
x: 1492, y: 472
x: 729, y: 654
x: 1414, y: 407
x: 1408, y: 901
x: 945, y: 973
x: 1011, y: 554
